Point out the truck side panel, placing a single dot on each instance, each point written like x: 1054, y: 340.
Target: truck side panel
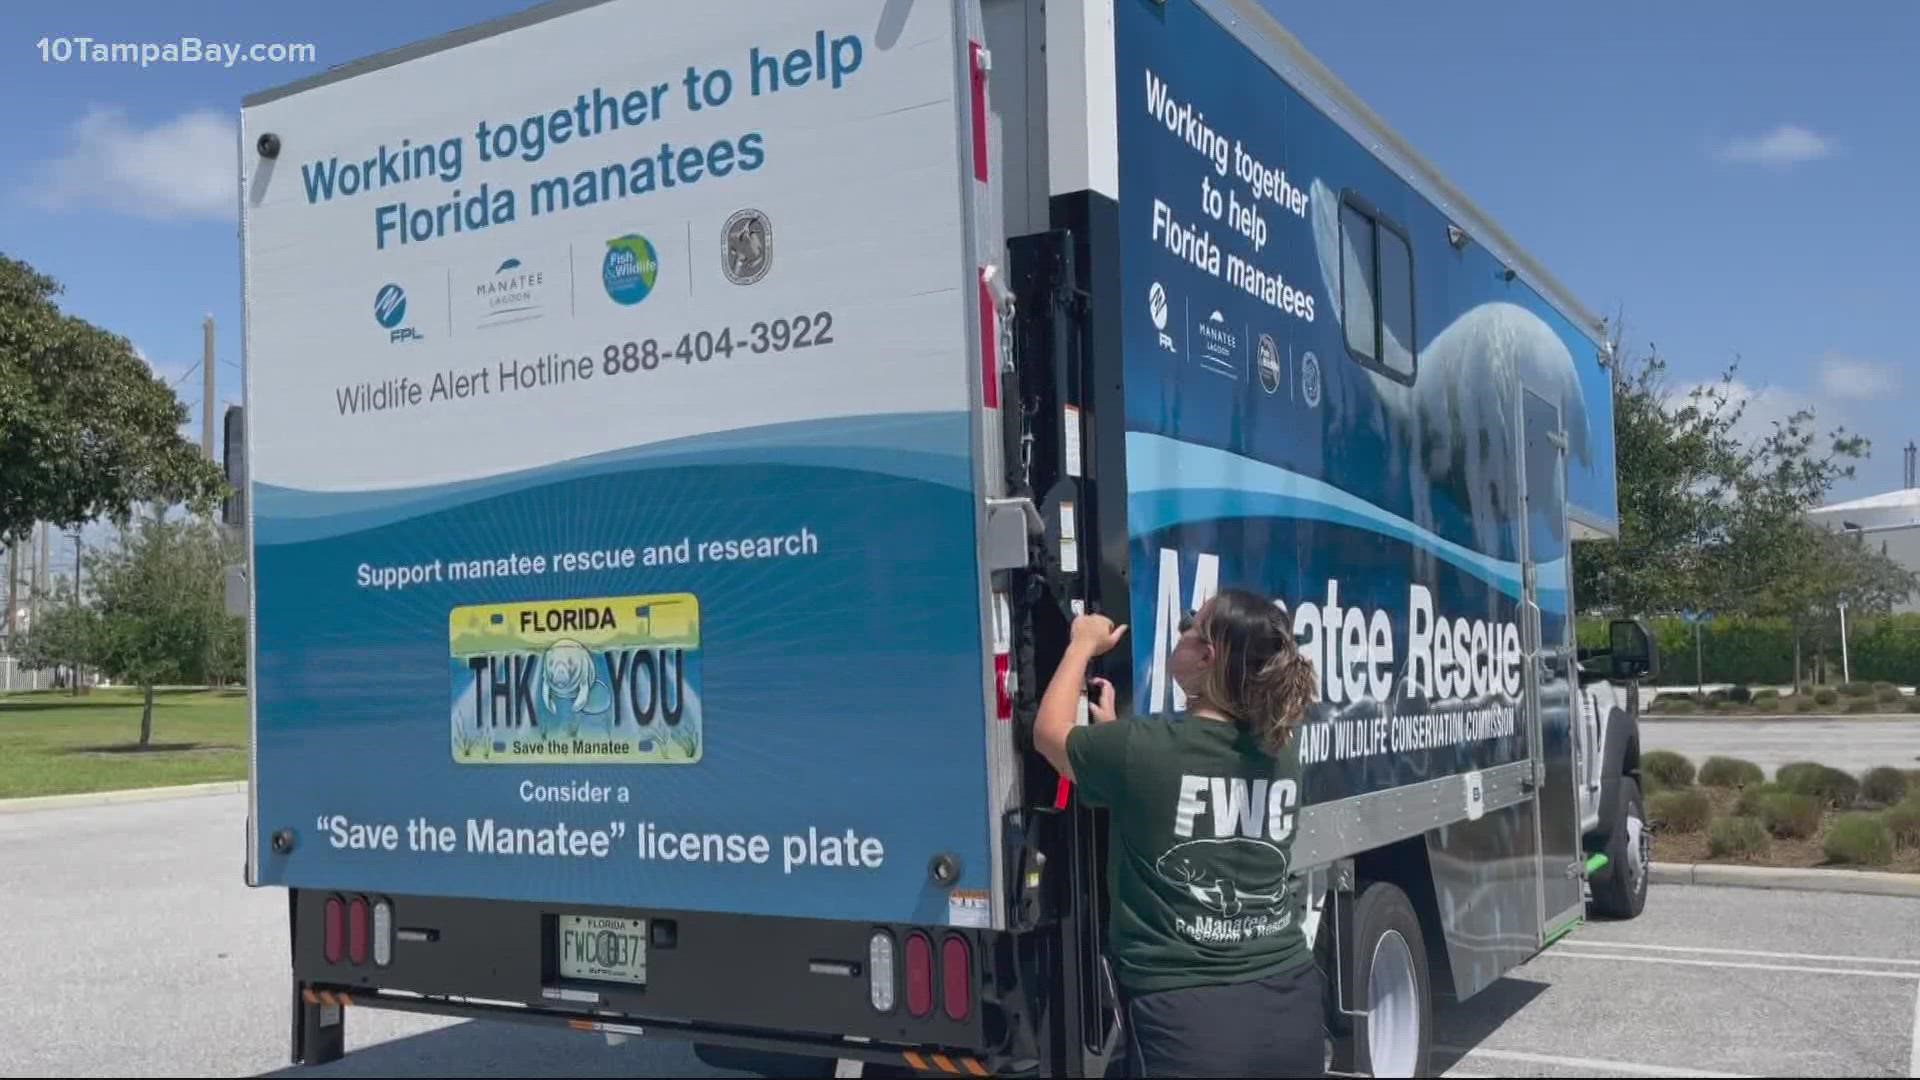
x: 1321, y: 397
x: 615, y: 467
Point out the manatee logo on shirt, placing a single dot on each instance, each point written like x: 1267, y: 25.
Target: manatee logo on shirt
x: 1197, y: 867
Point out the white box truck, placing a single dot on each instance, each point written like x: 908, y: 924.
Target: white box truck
x: 676, y: 438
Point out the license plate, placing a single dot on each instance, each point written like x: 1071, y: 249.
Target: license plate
x: 599, y: 681
x: 600, y: 949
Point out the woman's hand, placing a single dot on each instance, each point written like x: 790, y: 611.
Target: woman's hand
x: 1096, y: 634
x: 1100, y: 707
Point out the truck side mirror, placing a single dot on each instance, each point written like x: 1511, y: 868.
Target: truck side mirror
x: 1633, y: 653
x: 233, y: 455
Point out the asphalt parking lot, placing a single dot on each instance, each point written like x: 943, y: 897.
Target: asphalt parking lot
x: 1853, y: 745
x: 131, y: 946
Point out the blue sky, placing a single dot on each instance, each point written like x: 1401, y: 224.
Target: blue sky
x: 1733, y: 177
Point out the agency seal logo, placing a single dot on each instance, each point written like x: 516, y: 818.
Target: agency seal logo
x: 1310, y: 380
x: 746, y: 250
x: 630, y: 269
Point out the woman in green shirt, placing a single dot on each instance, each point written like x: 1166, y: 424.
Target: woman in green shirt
x: 1206, y: 943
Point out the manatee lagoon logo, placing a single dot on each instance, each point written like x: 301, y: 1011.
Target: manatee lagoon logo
x: 390, y: 311
x: 630, y: 269
x: 747, y: 247
x: 1219, y: 345
x: 513, y: 293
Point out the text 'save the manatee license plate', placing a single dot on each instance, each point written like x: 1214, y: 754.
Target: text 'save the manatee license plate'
x: 601, y: 949
x: 602, y: 681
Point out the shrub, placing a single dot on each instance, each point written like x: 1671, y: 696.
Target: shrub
x: 1804, y: 705
x: 1913, y: 783
x: 1863, y: 705
x: 1913, y: 704
x: 1677, y: 707
x: 1857, y: 689
x: 1726, y: 772
x: 1903, y: 822
x: 1739, y: 695
x: 1766, y: 692
x: 1685, y: 811
x: 1752, y: 798
x: 1666, y: 769
x: 1884, y: 785
x: 1826, y: 695
x: 1887, y: 693
x: 1831, y: 786
x: 1791, y: 816
x: 1737, y: 837
x: 1860, y: 839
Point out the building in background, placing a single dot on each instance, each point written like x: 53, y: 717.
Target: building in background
x: 1890, y: 520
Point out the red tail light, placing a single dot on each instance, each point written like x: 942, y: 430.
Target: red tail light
x: 357, y: 930
x: 919, y: 975
x: 336, y: 929
x: 956, y: 978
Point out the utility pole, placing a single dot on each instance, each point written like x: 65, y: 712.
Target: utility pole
x: 76, y: 603
x: 1913, y: 457
x: 207, y: 372
x: 13, y: 589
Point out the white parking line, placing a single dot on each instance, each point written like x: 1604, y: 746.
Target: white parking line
x: 1590, y: 1064
x: 1586, y: 944
x: 1573, y: 954
x: 1913, y: 1058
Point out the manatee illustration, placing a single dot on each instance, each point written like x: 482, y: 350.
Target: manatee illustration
x: 1195, y: 867
x: 567, y: 673
x: 1442, y: 426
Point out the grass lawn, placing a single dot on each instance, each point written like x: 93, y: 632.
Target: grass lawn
x: 55, y: 744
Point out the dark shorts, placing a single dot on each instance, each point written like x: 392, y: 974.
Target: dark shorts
x: 1272, y: 1027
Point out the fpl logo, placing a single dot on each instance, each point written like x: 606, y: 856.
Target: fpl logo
x: 1157, y: 308
x: 390, y: 311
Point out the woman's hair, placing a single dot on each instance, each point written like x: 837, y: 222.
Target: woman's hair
x: 1258, y: 679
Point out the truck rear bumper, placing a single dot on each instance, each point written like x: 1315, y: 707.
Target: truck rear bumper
x: 797, y: 986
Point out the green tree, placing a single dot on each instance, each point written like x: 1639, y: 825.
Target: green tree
x: 1710, y: 519
x: 62, y: 635
x: 161, y: 607
x: 86, y: 429
x: 1676, y: 458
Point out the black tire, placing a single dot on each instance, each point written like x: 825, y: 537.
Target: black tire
x: 1620, y: 888
x: 1387, y: 941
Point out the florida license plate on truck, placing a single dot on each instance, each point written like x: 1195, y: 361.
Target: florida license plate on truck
x: 597, y: 681
x: 602, y: 949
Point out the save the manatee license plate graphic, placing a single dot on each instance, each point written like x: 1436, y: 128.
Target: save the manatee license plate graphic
x: 605, y: 681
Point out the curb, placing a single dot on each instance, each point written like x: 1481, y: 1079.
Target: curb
x: 1772, y: 718
x: 109, y: 798
x: 1794, y: 879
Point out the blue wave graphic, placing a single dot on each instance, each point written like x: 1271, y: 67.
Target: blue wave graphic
x: 1173, y: 482
x: 931, y: 447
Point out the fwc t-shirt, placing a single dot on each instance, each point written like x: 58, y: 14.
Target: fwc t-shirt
x: 1199, y: 853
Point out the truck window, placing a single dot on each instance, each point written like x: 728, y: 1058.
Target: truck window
x: 1376, y: 291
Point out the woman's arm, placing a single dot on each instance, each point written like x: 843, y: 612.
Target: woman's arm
x: 1092, y: 636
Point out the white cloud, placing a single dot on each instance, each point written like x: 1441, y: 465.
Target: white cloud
x: 1849, y: 377
x: 1785, y: 145
x: 179, y: 168
x: 1762, y: 408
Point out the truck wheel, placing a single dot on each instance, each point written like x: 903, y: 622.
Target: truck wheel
x: 1390, y: 979
x: 1620, y: 888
